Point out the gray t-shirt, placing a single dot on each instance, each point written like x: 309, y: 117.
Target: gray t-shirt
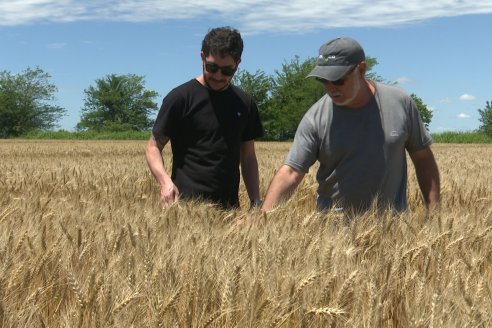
x: 361, y: 151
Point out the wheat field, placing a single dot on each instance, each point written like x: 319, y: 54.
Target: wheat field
x: 84, y: 243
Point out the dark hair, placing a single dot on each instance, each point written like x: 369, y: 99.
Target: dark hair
x: 223, y: 41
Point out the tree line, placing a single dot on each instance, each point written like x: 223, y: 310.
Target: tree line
x: 117, y: 103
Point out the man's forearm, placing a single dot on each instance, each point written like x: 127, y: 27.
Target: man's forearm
x: 251, y: 178
x: 428, y: 178
x: 430, y: 186
x: 249, y: 170
x: 153, y: 155
x: 282, y: 187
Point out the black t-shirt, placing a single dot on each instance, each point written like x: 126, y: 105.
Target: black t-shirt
x: 206, y: 128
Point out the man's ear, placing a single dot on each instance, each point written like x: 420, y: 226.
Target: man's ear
x: 363, y: 68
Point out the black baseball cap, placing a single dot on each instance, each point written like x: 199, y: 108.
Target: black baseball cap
x: 336, y: 58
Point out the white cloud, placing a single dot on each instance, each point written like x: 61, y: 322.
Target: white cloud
x: 403, y: 80
x: 57, y: 45
x: 467, y: 97
x: 250, y: 16
x: 463, y: 116
x: 447, y: 100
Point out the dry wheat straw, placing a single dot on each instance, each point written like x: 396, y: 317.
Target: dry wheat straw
x: 304, y: 283
x: 172, y: 301
x: 124, y: 303
x: 329, y: 311
x: 131, y: 235
x: 75, y: 287
x: 6, y: 213
x: 79, y: 238
x: 327, y: 291
x: 261, y: 309
x: 216, y: 315
x: 404, y: 259
x: 373, y: 301
x: 345, y: 293
x: 20, y: 243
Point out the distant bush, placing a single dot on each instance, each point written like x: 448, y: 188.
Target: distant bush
x: 89, y: 135
x: 445, y: 137
x: 462, y: 137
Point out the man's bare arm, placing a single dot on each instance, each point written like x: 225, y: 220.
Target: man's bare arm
x: 282, y: 186
x: 427, y: 176
x: 153, y: 153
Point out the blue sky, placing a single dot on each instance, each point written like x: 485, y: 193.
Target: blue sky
x: 439, y: 50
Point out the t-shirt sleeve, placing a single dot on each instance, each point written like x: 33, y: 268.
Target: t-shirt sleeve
x: 419, y: 137
x: 304, y: 150
x: 254, y: 128
x: 166, y: 122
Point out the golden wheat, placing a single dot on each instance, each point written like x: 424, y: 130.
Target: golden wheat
x: 85, y: 243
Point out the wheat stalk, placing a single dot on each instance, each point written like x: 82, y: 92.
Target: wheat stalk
x: 20, y: 243
x: 75, y: 288
x: 402, y: 260
x: 133, y: 240
x: 345, y: 293
x: 304, y: 283
x: 329, y: 311
x: 125, y: 303
x: 327, y: 291
x: 172, y: 300
x: 6, y: 213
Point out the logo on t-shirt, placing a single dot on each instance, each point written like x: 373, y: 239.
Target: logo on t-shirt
x: 394, y: 133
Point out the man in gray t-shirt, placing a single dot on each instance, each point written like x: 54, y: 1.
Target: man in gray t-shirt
x: 358, y: 132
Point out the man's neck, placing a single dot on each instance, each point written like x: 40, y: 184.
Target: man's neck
x: 366, y: 93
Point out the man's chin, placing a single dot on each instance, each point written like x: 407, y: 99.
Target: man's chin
x: 217, y: 85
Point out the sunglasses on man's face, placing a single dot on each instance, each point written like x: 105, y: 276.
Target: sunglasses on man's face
x: 214, y: 68
x: 340, y: 81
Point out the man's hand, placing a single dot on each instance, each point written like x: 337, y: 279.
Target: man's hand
x: 254, y: 218
x: 169, y: 194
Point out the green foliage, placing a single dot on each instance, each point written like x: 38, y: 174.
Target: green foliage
x: 292, y: 95
x: 486, y: 118
x: 88, y: 135
x: 370, y: 75
x: 425, y: 113
x: 284, y: 98
x: 118, y: 103
x: 24, y: 102
x: 258, y: 85
x: 445, y: 137
x: 475, y: 137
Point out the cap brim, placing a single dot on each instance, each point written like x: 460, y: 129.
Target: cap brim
x: 330, y: 73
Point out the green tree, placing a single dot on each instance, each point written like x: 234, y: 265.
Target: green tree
x: 284, y: 98
x: 486, y: 118
x: 118, y: 103
x: 258, y: 85
x: 425, y: 113
x: 24, y: 103
x: 292, y: 95
x: 370, y: 75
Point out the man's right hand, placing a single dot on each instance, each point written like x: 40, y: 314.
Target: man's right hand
x: 169, y: 194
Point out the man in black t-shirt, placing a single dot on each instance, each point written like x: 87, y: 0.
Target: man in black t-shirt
x: 212, y: 126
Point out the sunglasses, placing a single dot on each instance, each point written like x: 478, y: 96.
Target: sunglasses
x: 340, y: 81
x: 214, y: 68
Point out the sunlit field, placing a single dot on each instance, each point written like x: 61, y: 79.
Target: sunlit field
x: 85, y: 243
